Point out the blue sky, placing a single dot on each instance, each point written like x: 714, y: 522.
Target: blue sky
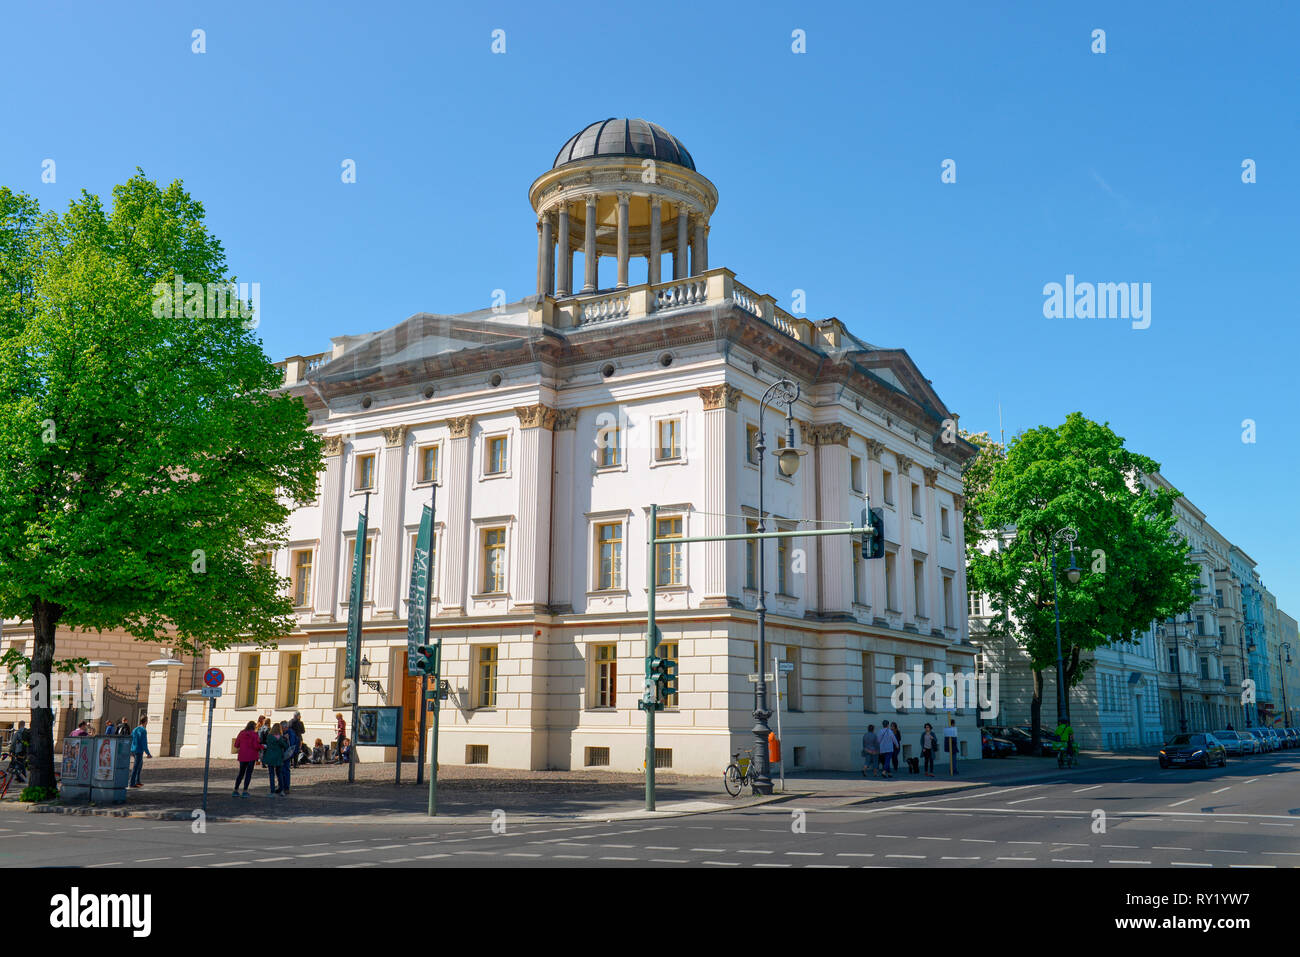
x: 1115, y: 167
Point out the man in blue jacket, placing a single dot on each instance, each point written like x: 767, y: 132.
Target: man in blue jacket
x: 139, y: 749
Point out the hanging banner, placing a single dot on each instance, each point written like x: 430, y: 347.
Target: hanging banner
x: 417, y: 608
x: 354, y: 600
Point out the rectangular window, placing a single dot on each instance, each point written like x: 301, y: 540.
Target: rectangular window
x: 782, y: 566
x: 1205, y: 668
x: 868, y: 682
x: 365, y: 478
x: 302, y: 578
x: 948, y: 620
x: 428, y: 464
x: 289, y: 680
x: 751, y: 438
x: 609, y: 541
x: 891, y: 581
x: 1227, y: 676
x: 918, y: 587
x: 496, y: 455
x: 606, y: 677
x: 944, y: 529
x: 794, y: 679
x: 494, y: 561
x: 609, y: 441
x: 668, y: 555
x: 367, y: 569
x: 264, y: 559
x: 855, y: 473
x: 1173, y: 659
x: 485, y: 677
x: 250, y: 666
x: 916, y: 500
x: 668, y: 649
x: 855, y: 558
x: 751, y: 556
x: 887, y: 486
x: 974, y: 604
x: 670, y: 440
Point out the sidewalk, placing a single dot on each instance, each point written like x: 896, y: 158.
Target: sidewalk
x: 469, y: 794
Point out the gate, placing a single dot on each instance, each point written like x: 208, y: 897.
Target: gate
x: 176, y: 727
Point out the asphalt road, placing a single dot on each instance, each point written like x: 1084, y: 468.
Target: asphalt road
x: 1245, y: 815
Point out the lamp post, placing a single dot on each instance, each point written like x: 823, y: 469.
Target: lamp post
x: 1072, y: 573
x: 783, y: 390
x: 1281, y: 673
x: 1178, y: 668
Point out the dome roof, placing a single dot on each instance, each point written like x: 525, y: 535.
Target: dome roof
x: 614, y: 137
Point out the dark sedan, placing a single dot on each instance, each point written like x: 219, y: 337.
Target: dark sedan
x: 1200, y: 750
x: 994, y: 746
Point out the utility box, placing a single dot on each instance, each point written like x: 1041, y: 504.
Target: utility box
x: 78, y: 765
x: 111, y: 767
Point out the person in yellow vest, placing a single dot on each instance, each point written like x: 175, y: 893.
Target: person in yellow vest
x: 1064, y: 743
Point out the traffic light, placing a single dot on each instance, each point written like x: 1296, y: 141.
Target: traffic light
x: 873, y: 543
x: 668, y: 680
x: 660, y: 675
x: 428, y: 661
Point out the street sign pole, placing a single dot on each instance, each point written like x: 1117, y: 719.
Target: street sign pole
x: 433, y: 758
x: 357, y: 599
x: 437, y: 671
x: 207, y: 753
x: 419, y: 751
x: 776, y: 670
x: 649, y: 652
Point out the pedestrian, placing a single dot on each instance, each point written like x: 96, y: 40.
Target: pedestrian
x: 124, y: 726
x: 345, y: 751
x: 248, y: 748
x: 139, y: 750
x: 319, y: 752
x: 79, y: 731
x: 263, y: 729
x: 290, y: 749
x: 888, y: 744
x: 110, y: 729
x: 898, y: 744
x: 870, y: 751
x: 950, y: 744
x: 273, y: 757
x: 300, y: 732
x: 929, y: 745
x: 340, y: 732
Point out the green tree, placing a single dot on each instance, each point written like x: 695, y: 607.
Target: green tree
x: 146, y: 458
x: 1135, y: 569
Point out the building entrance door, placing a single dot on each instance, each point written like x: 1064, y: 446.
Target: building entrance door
x: 410, y: 710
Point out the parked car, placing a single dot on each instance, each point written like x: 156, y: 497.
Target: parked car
x: 1271, y: 735
x: 1285, y: 737
x: 1280, y: 736
x: 1294, y: 735
x: 1250, y: 743
x: 1047, y: 740
x: 1232, y: 742
x: 1264, y: 742
x: 1201, y: 750
x: 994, y: 746
x: 1020, y: 737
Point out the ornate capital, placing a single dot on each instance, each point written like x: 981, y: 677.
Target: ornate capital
x: 535, y: 416
x: 834, y: 433
x: 460, y: 426
x: 931, y: 476
x: 874, y: 448
x: 394, y: 435
x: 565, y: 419
x: 591, y: 200
x: 333, y: 445
x: 805, y: 430
x: 904, y: 463
x: 715, y: 396
x: 959, y: 503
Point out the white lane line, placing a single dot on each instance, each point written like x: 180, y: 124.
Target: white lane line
x: 429, y: 857
x: 910, y: 857
x: 527, y: 854
x: 571, y: 857
x: 146, y: 860
x: 1069, y: 860
x: 659, y: 847
x: 946, y: 858
x: 1090, y: 788
x: 709, y: 850
x: 1125, y: 847
x: 755, y: 852
x: 757, y: 864
x: 1217, y: 850
x: 1017, y: 858
x: 1115, y: 860
x: 1162, y: 847
x: 1251, y: 781
x: 603, y: 858
x: 722, y: 863
x: 936, y: 839
x: 623, y: 847
x: 682, y: 860
x: 316, y: 854
x: 1182, y: 802
x: 1275, y: 824
x: 803, y: 853
x: 901, y: 837
x: 977, y: 840
x: 1024, y: 842
x: 269, y: 860
x: 1252, y: 865
x: 230, y: 864
x: 824, y: 865
x: 1026, y: 800
x: 214, y: 854
x: 853, y: 854
x: 1189, y: 864
x: 1221, y: 790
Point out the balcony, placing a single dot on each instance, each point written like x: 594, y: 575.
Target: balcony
x: 295, y: 368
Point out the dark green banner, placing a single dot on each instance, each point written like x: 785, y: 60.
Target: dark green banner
x: 355, y: 593
x: 417, y: 608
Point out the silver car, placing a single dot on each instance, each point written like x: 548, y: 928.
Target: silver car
x: 1232, y: 741
x: 1261, y: 743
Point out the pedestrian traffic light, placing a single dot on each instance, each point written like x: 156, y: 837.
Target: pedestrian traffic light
x: 659, y: 673
x: 668, y: 681
x: 873, y: 541
x: 428, y: 660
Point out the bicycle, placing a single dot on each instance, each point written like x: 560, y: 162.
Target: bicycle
x: 14, y: 772
x: 740, y: 772
x: 1067, y: 757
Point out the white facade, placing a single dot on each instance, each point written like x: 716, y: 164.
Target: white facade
x: 525, y: 405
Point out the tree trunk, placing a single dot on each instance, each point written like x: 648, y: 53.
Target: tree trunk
x: 1036, y: 710
x: 45, y: 617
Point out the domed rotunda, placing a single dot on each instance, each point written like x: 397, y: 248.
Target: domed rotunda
x: 621, y: 188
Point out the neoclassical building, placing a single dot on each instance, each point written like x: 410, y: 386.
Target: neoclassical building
x: 550, y: 426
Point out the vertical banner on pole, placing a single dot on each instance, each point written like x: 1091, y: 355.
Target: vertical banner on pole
x: 355, y: 595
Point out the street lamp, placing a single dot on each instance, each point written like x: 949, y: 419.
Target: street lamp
x: 1281, y: 673
x: 787, y: 460
x: 1174, y: 624
x: 366, y: 680
x: 1073, y: 574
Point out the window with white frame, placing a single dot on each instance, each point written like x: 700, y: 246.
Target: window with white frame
x: 493, y: 560
x: 668, y: 439
x: 368, y: 581
x: 609, y: 446
x: 250, y: 668
x: 887, y: 486
x: 916, y: 499
x: 484, y: 658
x: 669, y: 564
x: 609, y: 556
x: 365, y: 472
x: 949, y: 620
x: 944, y: 526
x: 604, y: 678
x: 300, y: 572
x: 855, y: 473
x: 891, y: 581
x: 868, y: 682
x: 426, y: 462
x: 918, y: 586
x: 496, y: 455
x: 751, y: 555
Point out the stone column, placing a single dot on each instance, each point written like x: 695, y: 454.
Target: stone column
x: 720, y: 589
x: 903, y: 498
x: 566, y: 467
x: 390, y: 546
x: 833, y: 479
x: 816, y: 550
x: 531, y: 589
x: 656, y: 253
x: 876, y: 499
x: 934, y: 573
x: 455, y: 539
x: 589, y: 246
x: 541, y: 258
x: 623, y: 199
x: 548, y: 260
x: 959, y: 586
x: 701, y: 248
x: 331, y: 502
x: 164, y: 686
x: 679, y: 254
x: 565, y: 284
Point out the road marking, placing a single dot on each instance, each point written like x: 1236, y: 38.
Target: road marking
x: 316, y: 854
x: 710, y: 850
x: 764, y: 864
x: 230, y: 864
x: 1271, y: 824
x: 755, y: 852
x: 1221, y: 790
x: 1090, y: 788
x: 977, y: 840
x: 723, y: 863
x: 429, y: 857
x: 803, y: 853
x: 1069, y: 860
x: 825, y: 865
x: 679, y: 860
x: 1162, y: 847
x: 659, y: 847
x: 1252, y: 865
x: 959, y: 858
x: 1024, y: 842
x: 211, y: 854
x: 269, y: 860
x: 1189, y: 864
x: 900, y: 837
x: 1182, y: 802
x: 911, y: 857
x: 1216, y: 850
x: 603, y: 858
x: 1017, y: 858
x: 571, y: 857
x: 476, y: 853
x: 526, y: 854
x: 853, y: 854
x: 1117, y: 861
x: 1126, y: 847
x: 1251, y: 781
x: 936, y: 839
x: 146, y: 860
x: 621, y: 847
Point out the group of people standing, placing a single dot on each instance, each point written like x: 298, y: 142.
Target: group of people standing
x: 880, y: 749
x: 280, y: 746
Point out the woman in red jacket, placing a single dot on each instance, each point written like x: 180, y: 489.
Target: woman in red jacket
x: 249, y: 748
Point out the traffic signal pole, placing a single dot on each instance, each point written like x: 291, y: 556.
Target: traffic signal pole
x: 652, y: 630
